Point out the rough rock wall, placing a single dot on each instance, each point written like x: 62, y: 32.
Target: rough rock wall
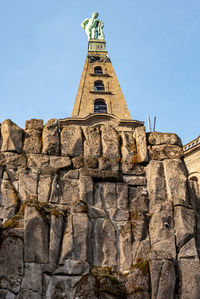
x: 92, y: 213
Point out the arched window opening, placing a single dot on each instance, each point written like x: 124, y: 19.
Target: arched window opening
x: 98, y: 85
x: 98, y: 70
x: 100, y: 106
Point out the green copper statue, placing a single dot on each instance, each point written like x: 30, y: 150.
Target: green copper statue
x: 93, y: 27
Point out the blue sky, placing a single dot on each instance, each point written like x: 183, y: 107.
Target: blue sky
x: 154, y: 47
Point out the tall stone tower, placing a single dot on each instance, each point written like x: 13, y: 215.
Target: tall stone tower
x: 99, y: 98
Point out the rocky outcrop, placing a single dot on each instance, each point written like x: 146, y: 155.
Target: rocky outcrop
x: 94, y: 213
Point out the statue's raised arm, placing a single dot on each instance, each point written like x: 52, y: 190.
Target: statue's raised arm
x: 93, y: 27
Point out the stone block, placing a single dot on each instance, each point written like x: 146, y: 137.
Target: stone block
x: 44, y: 188
x: 32, y: 141
x: 11, y: 136
x: 189, y: 272
x: 125, y: 245
x: 9, y: 199
x: 110, y: 142
x: 128, y: 147
x: 176, y: 179
x: 28, y: 186
x: 161, y: 232
x: 162, y: 152
x: 163, y: 279
x: 92, y: 142
x: 87, y: 287
x: 138, y: 278
x: 188, y: 250
x: 73, y: 267
x: 157, y: 138
x: 38, y: 161
x: 69, y: 191
x: 78, y: 162
x: 156, y: 185
x: 91, y: 162
x: 51, y: 138
x: 184, y: 224
x: 11, y: 257
x: 13, y: 160
x: 36, y: 234
x: 34, y: 124
x: 141, y: 144
x: 135, y: 180
x: 59, y: 162
x: 32, y: 279
x: 56, y: 231
x: 71, y: 141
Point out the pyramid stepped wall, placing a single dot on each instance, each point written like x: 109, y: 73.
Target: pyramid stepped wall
x: 95, y: 213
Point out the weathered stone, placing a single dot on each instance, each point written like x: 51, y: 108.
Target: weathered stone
x: 35, y: 236
x: 78, y: 162
x: 11, y: 257
x: 176, y: 178
x: 111, y: 286
x: 189, y: 271
x: 92, y: 143
x: 56, y: 231
x: 38, y: 161
x: 73, y: 267
x: 141, y: 144
x: 105, y: 249
x: 141, y: 250
x: 110, y: 142
x: 71, y: 174
x: 125, y: 244
x: 69, y: 191
x: 59, y: 162
x: 51, y: 138
x: 13, y: 160
x: 138, y: 198
x: 34, y: 124
x: 11, y: 136
x: 32, y: 279
x: 55, y: 190
x: 91, y: 162
x: 86, y: 189
x: 28, y: 186
x: 163, y: 279
x: 108, y: 164
x: 81, y: 235
x: 128, y: 147
x: 32, y: 141
x: 135, y: 180
x: 157, y: 138
x: 138, y: 278
x: 184, y: 225
x: 24, y: 294
x: 156, y: 185
x: 44, y: 188
x: 71, y: 141
x: 161, y: 232
x: 162, y: 152
x: 188, y: 250
x: 139, y: 224
x: 6, y: 294
x: 87, y: 287
x: 8, y: 199
x: 75, y: 244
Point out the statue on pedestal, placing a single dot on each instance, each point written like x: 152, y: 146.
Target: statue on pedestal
x: 93, y: 27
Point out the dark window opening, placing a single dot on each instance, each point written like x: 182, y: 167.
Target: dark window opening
x: 98, y: 85
x: 98, y: 70
x: 100, y: 106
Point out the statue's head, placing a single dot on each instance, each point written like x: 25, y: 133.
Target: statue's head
x: 95, y: 15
